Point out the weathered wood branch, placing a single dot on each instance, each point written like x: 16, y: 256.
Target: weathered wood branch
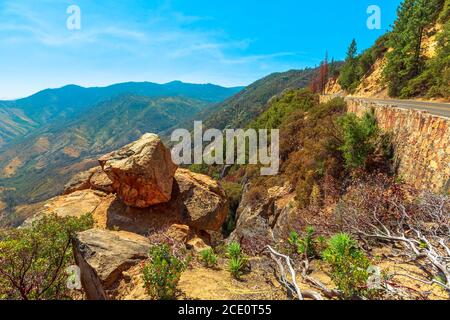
x: 290, y: 285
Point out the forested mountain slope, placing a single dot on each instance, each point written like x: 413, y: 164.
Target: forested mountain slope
x: 37, y: 167
x: 22, y: 116
x: 410, y: 61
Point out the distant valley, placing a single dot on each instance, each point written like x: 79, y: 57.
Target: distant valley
x: 47, y: 137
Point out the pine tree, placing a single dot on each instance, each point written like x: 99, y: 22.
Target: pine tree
x: 349, y: 74
x: 406, y: 60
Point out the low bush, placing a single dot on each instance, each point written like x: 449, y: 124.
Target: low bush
x: 237, y: 266
x: 364, y: 146
x: 162, y: 273
x: 33, y: 259
x: 234, y: 250
x: 238, y: 261
x: 349, y: 265
x: 307, y: 245
x: 208, y: 258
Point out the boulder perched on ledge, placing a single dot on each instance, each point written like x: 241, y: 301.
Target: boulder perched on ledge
x: 103, y: 256
x: 142, y: 172
x: 197, y: 201
x: 203, y: 200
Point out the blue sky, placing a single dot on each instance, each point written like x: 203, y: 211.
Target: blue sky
x: 223, y: 42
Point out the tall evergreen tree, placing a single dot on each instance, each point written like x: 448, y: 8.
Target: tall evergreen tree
x: 406, y: 61
x: 349, y: 73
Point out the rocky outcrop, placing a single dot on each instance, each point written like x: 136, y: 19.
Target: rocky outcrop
x: 197, y: 201
x: 128, y: 194
x: 75, y: 204
x: 256, y: 220
x: 203, y: 201
x: 103, y: 256
x: 142, y: 172
x: 94, y: 179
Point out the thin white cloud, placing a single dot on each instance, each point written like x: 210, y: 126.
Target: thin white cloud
x: 256, y: 58
x: 167, y: 46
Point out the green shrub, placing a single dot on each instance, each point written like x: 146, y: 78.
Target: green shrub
x: 33, y: 259
x: 162, y: 273
x: 238, y: 261
x: 348, y: 265
x: 234, y: 250
x: 237, y: 266
x: 209, y: 259
x: 293, y: 239
x: 359, y: 137
x: 306, y: 245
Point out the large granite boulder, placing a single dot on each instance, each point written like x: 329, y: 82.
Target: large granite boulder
x: 203, y: 200
x: 197, y: 201
x: 103, y: 256
x: 142, y: 172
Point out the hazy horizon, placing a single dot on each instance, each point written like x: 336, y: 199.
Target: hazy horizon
x: 111, y: 84
x: 226, y: 43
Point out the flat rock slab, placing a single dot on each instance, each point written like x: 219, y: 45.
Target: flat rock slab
x: 103, y: 255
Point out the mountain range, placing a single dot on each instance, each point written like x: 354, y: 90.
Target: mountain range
x: 22, y: 116
x: 49, y: 136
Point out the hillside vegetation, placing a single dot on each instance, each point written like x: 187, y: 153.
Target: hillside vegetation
x: 22, y: 116
x: 37, y: 167
x: 338, y: 182
x: 415, y: 53
x: 239, y: 110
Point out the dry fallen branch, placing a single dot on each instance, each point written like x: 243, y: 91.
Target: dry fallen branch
x: 329, y: 293
x: 292, y: 285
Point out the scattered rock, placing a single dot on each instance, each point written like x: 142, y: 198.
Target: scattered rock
x: 197, y: 244
x: 256, y: 220
x: 100, y: 181
x: 79, y: 182
x: 142, y: 172
x: 103, y: 256
x: 179, y: 233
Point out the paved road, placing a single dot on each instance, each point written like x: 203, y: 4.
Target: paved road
x: 437, y: 108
